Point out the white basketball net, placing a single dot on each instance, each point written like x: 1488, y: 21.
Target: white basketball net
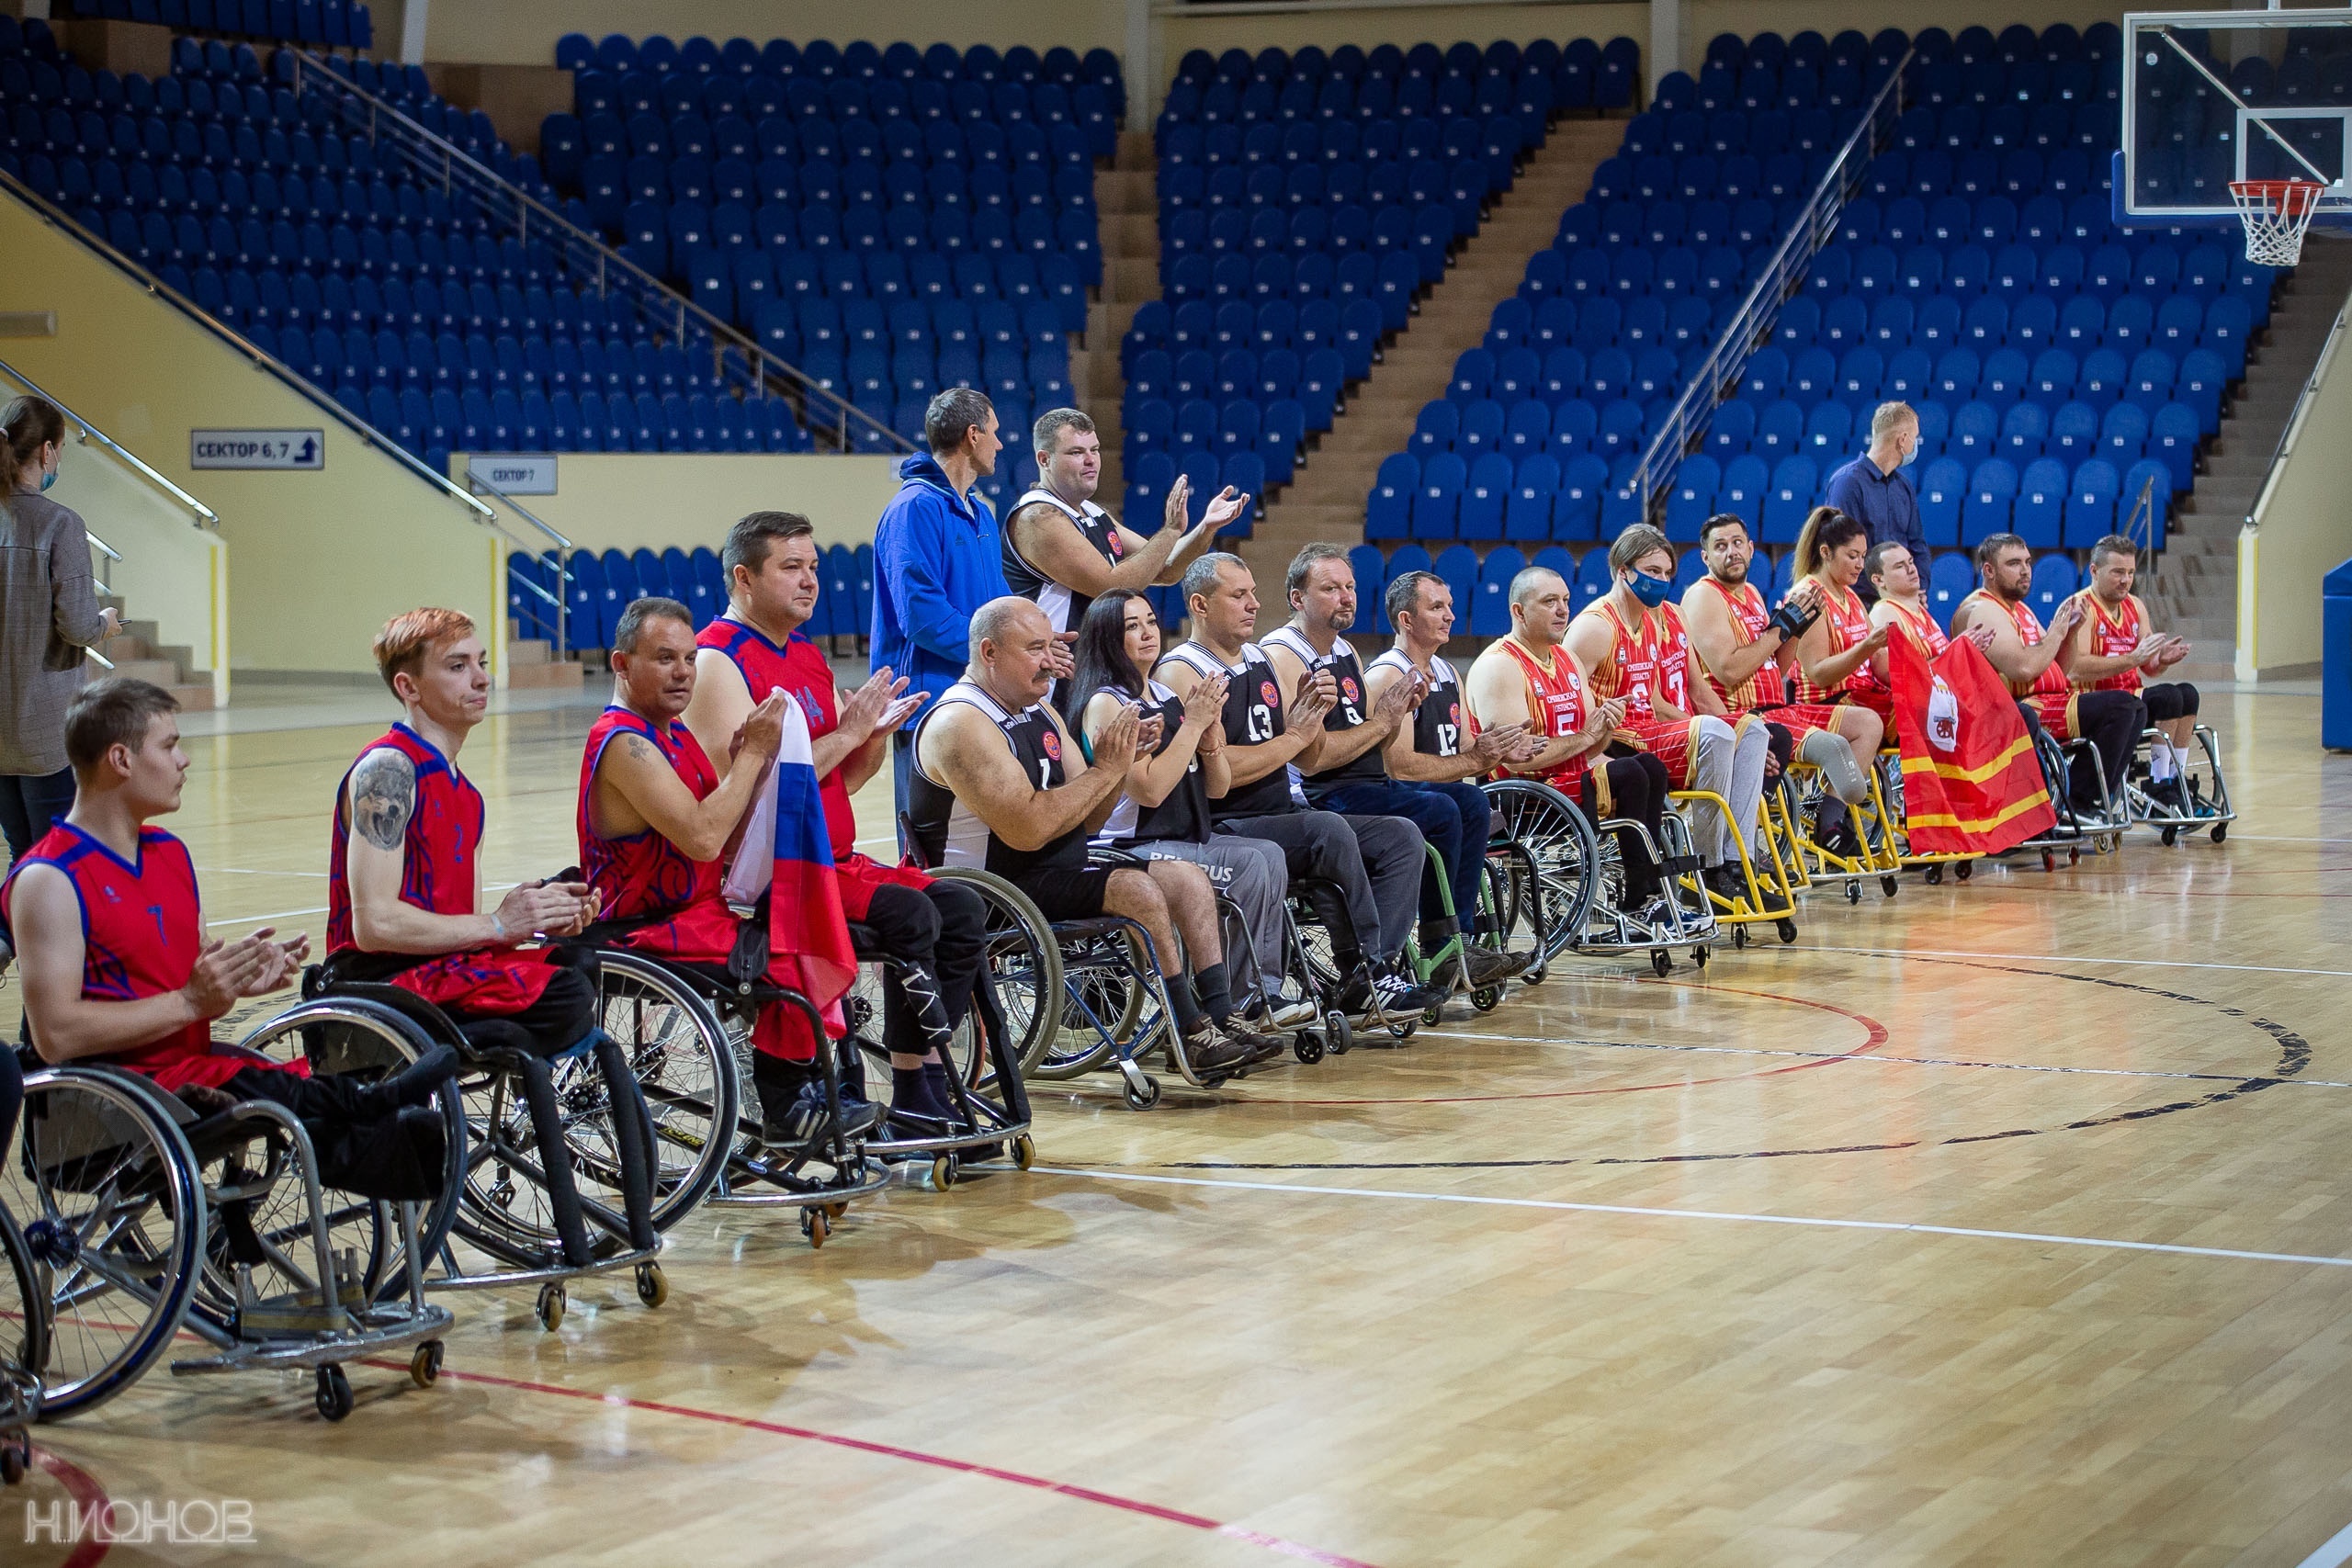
x: 2277, y: 214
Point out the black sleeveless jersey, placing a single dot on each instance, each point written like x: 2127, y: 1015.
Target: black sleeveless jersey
x: 1184, y: 814
x: 1352, y: 709
x: 948, y: 832
x: 1253, y: 715
x: 1063, y: 605
x: 1437, y: 723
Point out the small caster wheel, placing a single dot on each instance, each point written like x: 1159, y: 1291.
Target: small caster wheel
x: 1785, y: 930
x: 1430, y: 1017
x: 1337, y: 1031
x: 551, y: 1306
x: 1853, y: 891
x: 816, y: 1224
x: 1024, y: 1152
x: 1488, y: 998
x: 1935, y: 875
x: 1700, y: 955
x: 2171, y: 836
x: 1661, y: 961
x: 1536, y: 975
x: 652, y: 1285
x: 2220, y: 832
x: 1143, y: 1095
x: 1739, y: 937
x: 424, y: 1366
x: 1308, y: 1046
x: 1965, y: 870
x: 333, y: 1398
x: 1402, y: 1029
x: 835, y: 1210
x: 2049, y: 861
x: 14, y: 1463
x: 1887, y: 885
x: 2074, y: 854
x: 944, y: 1172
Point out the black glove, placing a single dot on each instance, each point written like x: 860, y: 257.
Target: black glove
x: 1791, y: 619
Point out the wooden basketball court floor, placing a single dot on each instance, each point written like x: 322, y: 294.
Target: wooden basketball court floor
x: 1997, y: 1223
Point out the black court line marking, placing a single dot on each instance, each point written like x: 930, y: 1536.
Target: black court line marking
x: 2294, y: 1055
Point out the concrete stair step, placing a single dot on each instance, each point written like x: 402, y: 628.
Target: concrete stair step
x: 156, y: 672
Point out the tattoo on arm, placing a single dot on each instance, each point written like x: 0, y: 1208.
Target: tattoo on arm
x: 383, y: 796
x: 641, y: 748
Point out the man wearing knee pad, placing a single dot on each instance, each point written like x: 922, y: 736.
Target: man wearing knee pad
x: 1000, y: 784
x: 110, y: 932
x: 1741, y: 645
x: 2038, y: 667
x: 1633, y: 642
x: 2117, y: 646
x: 1530, y: 678
x: 655, y: 817
x: 1367, y: 720
x: 934, y: 932
x: 1270, y: 738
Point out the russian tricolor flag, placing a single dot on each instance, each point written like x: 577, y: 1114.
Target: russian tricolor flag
x: 809, y: 947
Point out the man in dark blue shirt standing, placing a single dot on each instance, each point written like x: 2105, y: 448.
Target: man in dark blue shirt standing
x: 1874, y: 491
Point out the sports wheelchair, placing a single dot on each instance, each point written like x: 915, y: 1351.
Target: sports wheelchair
x: 555, y: 1149
x: 146, y: 1220
x: 2207, y: 808
x: 24, y: 1349
x: 2101, y: 829
x: 1563, y: 883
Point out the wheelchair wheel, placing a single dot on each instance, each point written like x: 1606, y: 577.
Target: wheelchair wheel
x: 1099, y: 986
x: 1552, y: 860
x: 106, y: 1186
x: 1023, y: 964
x: 685, y: 1068
x: 24, y: 1308
x: 339, y: 1037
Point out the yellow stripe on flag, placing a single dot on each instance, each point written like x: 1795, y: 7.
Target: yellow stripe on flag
x: 1983, y: 823
x: 2017, y: 748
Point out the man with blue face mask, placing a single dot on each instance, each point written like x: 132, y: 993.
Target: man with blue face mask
x: 1873, y: 490
x: 1633, y: 642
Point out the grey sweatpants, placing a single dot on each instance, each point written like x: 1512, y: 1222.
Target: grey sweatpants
x: 1376, y: 861
x: 1252, y: 873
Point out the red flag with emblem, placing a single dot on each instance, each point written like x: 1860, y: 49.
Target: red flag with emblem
x: 1971, y: 783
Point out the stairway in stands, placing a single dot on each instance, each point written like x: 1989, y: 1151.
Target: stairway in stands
x: 2196, y: 591
x: 1128, y: 197
x: 1326, y: 501
x: 139, y: 653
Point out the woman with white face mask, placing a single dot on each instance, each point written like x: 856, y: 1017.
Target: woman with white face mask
x: 48, y: 616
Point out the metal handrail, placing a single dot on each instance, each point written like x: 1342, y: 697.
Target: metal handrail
x: 2287, y: 433
x: 52, y: 213
x: 1720, y: 370
x: 563, y: 548
x: 131, y: 460
x: 584, y: 256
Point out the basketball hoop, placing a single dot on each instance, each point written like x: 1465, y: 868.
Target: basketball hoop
x: 2277, y: 213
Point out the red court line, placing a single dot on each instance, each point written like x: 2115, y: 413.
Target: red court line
x: 91, y: 1497
x: 1877, y: 1036
x: 917, y: 1456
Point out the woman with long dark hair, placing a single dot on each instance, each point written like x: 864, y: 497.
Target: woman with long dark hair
x: 1841, y: 657
x: 1164, y: 814
x: 49, y: 618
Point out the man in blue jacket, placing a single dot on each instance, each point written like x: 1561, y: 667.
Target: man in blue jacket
x: 937, y: 557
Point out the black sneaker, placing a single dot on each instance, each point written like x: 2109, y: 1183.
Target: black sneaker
x: 1213, y: 1053
x: 1262, y: 1045
x: 1355, y: 993
x: 807, y: 1119
x: 1400, y: 995
x: 1490, y: 965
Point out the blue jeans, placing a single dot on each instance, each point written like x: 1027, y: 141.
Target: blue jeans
x: 1453, y: 819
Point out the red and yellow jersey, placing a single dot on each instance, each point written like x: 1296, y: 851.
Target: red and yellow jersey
x: 1848, y: 623
x: 2052, y: 681
x: 1645, y: 662
x: 2111, y: 634
x: 1557, y: 699
x: 1768, y: 687
x: 1920, y: 626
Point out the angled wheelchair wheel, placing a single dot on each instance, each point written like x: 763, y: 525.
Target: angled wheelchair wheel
x: 24, y: 1309
x: 1552, y: 858
x: 1104, y: 1003
x: 679, y: 1054
x: 334, y: 1037
x: 1023, y: 964
x: 105, y: 1187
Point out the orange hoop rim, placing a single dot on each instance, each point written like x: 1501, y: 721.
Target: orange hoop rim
x: 2286, y: 198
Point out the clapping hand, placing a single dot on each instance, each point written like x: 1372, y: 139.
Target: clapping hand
x: 1120, y: 738
x: 1223, y: 507
x: 869, y: 708
x: 1060, y: 663
x: 1205, y: 703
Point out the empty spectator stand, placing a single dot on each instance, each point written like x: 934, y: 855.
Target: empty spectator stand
x: 319, y: 24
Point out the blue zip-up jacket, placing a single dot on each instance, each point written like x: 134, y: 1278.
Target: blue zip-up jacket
x: 936, y: 560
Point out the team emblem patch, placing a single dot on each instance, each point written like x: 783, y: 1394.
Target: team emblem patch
x: 1453, y: 713
x: 1116, y: 546
x: 1348, y: 689
x: 1052, y: 744
x: 1267, y: 694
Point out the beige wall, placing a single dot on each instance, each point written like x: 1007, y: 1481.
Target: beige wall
x: 621, y: 499
x: 321, y: 559
x: 2302, y: 526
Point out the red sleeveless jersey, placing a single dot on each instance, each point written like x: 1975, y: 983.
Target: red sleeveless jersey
x: 1767, y: 688
x: 1555, y: 698
x: 142, y: 928
x: 2113, y: 637
x: 2052, y: 681
x: 644, y: 874
x: 1848, y: 623
x: 444, y: 837
x: 1921, y: 624
x: 800, y: 668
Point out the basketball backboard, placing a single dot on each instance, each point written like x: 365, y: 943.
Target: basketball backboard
x: 2212, y: 96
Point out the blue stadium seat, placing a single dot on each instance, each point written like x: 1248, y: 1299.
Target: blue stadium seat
x: 1389, y: 509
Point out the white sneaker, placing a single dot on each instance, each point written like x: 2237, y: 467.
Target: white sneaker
x: 1284, y: 1012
